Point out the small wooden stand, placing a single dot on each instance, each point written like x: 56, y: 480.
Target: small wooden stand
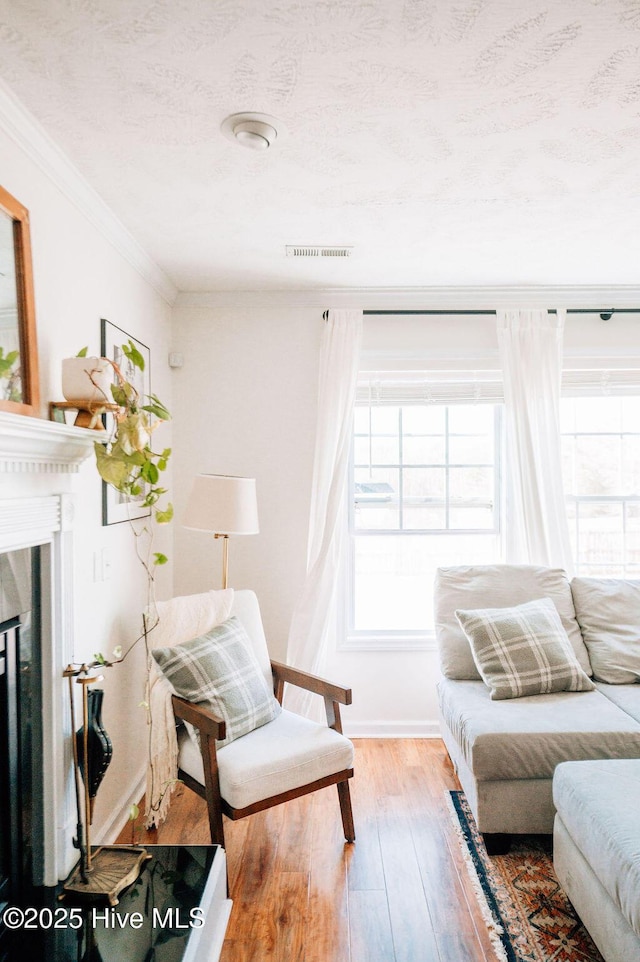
x: 85, y: 418
x: 107, y: 870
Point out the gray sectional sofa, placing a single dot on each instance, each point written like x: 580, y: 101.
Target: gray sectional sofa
x: 505, y: 752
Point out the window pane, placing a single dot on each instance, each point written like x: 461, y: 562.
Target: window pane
x: 385, y: 450
x: 384, y: 420
x: 432, y: 471
x: 600, y: 533
x: 469, y: 484
x: 599, y: 414
x: 423, y: 450
x: 601, y: 459
x: 361, y: 450
x: 424, y: 483
x: 376, y: 498
x: 422, y: 519
x: 394, y: 576
x: 471, y: 449
x: 598, y: 465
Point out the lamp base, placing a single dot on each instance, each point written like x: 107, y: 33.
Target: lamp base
x: 113, y: 868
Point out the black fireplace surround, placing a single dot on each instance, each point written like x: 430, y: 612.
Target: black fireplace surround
x: 21, y: 743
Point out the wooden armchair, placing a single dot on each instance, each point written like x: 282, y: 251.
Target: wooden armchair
x: 284, y: 759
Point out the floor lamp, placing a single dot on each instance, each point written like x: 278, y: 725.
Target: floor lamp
x: 224, y: 506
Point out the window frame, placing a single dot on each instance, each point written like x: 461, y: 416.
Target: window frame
x: 578, y: 500
x: 352, y: 639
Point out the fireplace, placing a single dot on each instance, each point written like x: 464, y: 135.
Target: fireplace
x: 36, y: 637
x: 21, y: 836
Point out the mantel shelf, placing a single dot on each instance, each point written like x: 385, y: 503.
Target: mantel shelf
x: 37, y: 446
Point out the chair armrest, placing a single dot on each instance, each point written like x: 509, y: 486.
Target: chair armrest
x: 202, y: 719
x: 303, y: 679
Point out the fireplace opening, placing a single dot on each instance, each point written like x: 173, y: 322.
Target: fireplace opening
x: 21, y: 736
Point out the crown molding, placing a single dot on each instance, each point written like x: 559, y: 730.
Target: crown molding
x: 27, y: 132
x: 597, y: 297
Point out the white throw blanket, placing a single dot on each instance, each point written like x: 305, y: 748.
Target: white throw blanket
x: 179, y: 620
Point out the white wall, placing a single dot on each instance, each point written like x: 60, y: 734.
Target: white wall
x: 79, y: 277
x: 245, y: 402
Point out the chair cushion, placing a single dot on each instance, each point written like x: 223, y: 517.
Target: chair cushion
x: 496, y: 586
x: 220, y: 671
x: 283, y: 755
x: 528, y: 737
x: 608, y: 612
x: 523, y: 650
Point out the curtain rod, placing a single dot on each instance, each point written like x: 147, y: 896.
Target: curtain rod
x: 605, y: 313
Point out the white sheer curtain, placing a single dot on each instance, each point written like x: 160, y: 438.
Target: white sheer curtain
x: 315, y: 613
x: 531, y: 352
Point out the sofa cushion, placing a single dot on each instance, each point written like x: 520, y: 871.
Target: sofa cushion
x: 596, y: 802
x: 496, y: 586
x: 219, y: 670
x: 608, y: 612
x: 523, y: 650
x: 626, y: 697
x: 527, y: 737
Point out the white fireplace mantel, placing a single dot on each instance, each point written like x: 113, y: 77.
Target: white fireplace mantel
x: 34, y: 445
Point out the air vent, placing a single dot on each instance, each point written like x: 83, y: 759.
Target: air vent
x: 295, y: 251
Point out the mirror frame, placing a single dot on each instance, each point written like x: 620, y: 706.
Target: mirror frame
x: 30, y: 403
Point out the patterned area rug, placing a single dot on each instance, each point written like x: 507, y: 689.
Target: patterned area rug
x: 530, y: 919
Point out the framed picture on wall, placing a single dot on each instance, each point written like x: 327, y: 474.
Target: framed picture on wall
x: 117, y: 507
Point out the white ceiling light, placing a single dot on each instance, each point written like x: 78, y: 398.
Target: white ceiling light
x: 255, y: 131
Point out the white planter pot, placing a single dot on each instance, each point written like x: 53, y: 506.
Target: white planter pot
x: 86, y: 381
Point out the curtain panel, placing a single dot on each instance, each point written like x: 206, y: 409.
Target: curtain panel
x: 530, y: 344
x: 314, y: 617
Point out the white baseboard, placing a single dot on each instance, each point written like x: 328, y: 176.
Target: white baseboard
x: 109, y: 832
x: 392, y: 729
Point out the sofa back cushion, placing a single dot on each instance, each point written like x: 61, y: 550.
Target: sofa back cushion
x: 608, y: 612
x: 496, y: 586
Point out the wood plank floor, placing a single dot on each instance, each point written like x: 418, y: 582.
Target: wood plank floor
x: 401, y: 893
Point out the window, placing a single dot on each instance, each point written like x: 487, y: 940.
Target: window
x: 601, y: 473
x: 426, y: 488
x: 426, y: 493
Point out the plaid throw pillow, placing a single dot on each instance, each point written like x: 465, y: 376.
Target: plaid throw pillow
x: 523, y: 650
x: 220, y: 671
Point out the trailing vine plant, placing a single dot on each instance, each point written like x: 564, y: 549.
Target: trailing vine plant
x: 130, y: 465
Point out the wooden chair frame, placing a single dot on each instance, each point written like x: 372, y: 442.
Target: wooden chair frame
x: 212, y: 728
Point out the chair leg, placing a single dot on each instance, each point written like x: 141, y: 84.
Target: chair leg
x: 215, y: 824
x: 345, y: 810
x: 212, y: 788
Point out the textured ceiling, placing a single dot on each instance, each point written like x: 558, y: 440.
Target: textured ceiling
x: 451, y: 143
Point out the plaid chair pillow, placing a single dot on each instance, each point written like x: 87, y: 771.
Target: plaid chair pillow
x: 220, y: 671
x: 523, y: 650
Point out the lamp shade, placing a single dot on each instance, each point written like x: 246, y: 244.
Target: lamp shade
x: 222, y: 504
